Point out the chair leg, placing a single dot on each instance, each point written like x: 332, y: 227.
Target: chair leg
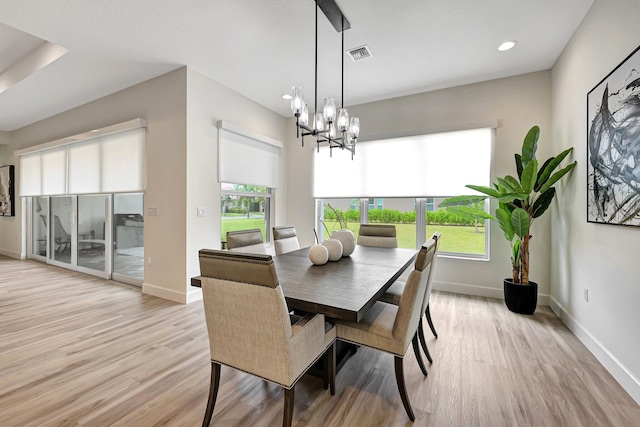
x: 401, y: 387
x: 433, y: 329
x: 330, y: 371
x: 416, y: 350
x: 289, y: 395
x: 213, y: 393
x: 423, y: 342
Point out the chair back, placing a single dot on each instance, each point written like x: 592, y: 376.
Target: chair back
x: 58, y: 230
x: 436, y: 238
x: 409, y: 313
x: 383, y: 236
x: 285, y: 239
x: 247, y: 241
x: 246, y: 314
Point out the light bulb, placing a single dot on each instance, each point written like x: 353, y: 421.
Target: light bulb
x: 343, y: 119
x: 329, y: 110
x: 297, y: 100
x: 318, y: 122
x: 304, y: 115
x: 354, y: 127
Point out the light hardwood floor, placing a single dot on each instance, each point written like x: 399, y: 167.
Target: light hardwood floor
x: 77, y: 350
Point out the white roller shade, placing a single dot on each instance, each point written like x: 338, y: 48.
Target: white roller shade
x: 108, y: 160
x: 435, y: 165
x: 31, y: 175
x: 54, y: 178
x: 246, y: 157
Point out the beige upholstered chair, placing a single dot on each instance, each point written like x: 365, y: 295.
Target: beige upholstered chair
x: 248, y: 241
x: 285, y: 239
x: 250, y: 329
x: 383, y: 236
x: 394, y: 294
x: 391, y: 328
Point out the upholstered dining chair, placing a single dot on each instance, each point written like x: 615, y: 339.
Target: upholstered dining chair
x: 250, y: 328
x: 395, y: 291
x: 377, y: 235
x: 248, y: 241
x: 285, y: 239
x: 391, y: 328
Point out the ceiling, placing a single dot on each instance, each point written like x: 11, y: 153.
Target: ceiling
x: 261, y: 48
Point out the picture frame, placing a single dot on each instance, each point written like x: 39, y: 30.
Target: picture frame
x: 7, y: 187
x: 613, y: 146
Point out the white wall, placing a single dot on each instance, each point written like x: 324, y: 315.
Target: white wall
x: 209, y: 102
x: 515, y: 104
x: 600, y: 258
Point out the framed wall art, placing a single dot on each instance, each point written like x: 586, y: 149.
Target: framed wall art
x: 613, y: 146
x: 7, y: 204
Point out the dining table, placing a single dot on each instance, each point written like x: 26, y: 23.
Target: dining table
x: 345, y: 289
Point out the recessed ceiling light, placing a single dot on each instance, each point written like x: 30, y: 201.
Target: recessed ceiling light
x: 286, y: 96
x: 506, y: 45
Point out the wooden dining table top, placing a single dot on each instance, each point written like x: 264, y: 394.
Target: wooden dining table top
x: 344, y: 289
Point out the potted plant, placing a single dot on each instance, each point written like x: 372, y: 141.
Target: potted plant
x: 521, y: 199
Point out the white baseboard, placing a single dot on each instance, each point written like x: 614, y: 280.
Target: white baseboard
x: 193, y: 294
x: 623, y: 376
x: 480, y: 291
x: 11, y: 254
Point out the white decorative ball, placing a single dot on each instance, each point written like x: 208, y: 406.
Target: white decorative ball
x: 347, y: 239
x: 319, y: 254
x: 335, y: 249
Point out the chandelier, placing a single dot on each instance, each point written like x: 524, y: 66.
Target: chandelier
x: 331, y: 126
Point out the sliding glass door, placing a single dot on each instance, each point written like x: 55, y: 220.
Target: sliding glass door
x: 128, y: 238
x: 76, y: 232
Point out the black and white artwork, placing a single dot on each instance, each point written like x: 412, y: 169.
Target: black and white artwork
x: 7, y: 207
x: 613, y: 138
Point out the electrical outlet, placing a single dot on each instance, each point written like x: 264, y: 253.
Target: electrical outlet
x: 148, y: 260
x: 586, y: 295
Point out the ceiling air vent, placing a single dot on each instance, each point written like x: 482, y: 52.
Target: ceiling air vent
x: 359, y: 53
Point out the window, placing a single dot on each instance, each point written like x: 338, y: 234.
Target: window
x: 245, y: 207
x: 420, y: 171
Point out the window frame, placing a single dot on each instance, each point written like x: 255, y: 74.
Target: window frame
x: 267, y: 209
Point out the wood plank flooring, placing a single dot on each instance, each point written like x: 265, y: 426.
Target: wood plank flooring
x: 77, y: 350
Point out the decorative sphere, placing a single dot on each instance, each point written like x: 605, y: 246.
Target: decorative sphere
x: 347, y: 239
x: 335, y: 249
x: 319, y: 254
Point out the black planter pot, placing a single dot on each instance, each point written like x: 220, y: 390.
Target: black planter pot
x: 521, y: 299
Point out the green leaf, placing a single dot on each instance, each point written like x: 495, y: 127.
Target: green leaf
x: 556, y: 176
x: 461, y: 201
x: 553, y: 164
x: 519, y: 165
x: 509, y: 184
x: 470, y: 213
x: 509, y: 198
x: 503, y: 217
x: 484, y: 190
x: 540, y: 172
x: 520, y: 222
x: 543, y: 202
x: 530, y: 145
x: 529, y: 175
